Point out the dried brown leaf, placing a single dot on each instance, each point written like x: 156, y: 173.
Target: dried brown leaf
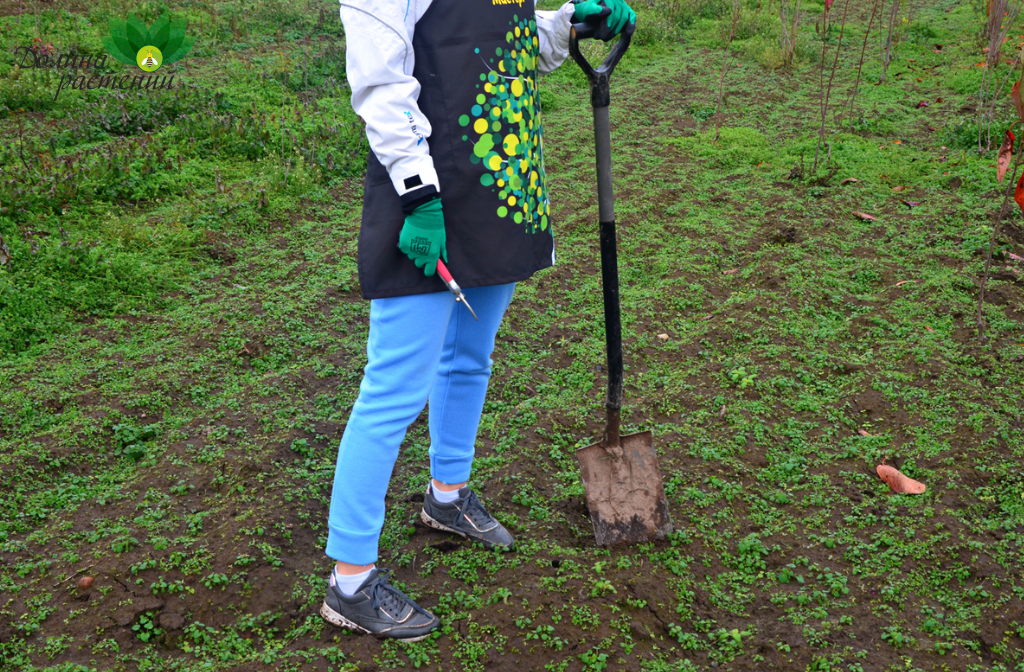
x: 1018, y: 103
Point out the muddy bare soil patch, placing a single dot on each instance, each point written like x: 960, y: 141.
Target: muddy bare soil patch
x: 778, y: 346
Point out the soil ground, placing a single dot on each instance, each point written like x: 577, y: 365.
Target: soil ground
x: 778, y: 345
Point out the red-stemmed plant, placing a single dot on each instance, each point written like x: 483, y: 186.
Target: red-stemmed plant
x: 1006, y: 154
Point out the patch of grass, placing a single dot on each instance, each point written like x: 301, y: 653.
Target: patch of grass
x: 186, y: 342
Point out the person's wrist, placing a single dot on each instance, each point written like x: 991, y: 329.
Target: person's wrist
x: 428, y: 216
x: 417, y: 197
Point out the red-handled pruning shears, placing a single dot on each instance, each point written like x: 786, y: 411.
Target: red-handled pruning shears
x: 454, y: 287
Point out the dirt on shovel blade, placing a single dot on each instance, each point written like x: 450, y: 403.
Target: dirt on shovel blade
x: 625, y: 496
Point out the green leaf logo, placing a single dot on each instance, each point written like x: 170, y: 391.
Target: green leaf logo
x: 131, y: 42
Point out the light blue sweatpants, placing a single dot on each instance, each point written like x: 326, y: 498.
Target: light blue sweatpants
x: 420, y: 347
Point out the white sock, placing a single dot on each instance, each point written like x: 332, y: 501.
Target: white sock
x: 349, y: 583
x: 442, y: 496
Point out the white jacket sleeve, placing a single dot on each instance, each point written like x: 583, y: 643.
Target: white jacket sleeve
x: 553, y: 31
x: 379, y: 64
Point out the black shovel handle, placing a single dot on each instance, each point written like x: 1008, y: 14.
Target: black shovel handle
x: 599, y: 99
x: 599, y: 92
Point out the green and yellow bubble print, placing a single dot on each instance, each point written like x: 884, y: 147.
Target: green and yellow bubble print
x: 505, y: 130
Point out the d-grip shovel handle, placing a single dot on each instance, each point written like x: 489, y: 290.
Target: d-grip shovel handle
x: 599, y: 92
x: 599, y: 99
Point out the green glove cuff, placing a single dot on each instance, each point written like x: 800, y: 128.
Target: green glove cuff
x: 428, y: 215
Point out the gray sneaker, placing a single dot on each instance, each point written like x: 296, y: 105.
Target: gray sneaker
x: 378, y: 608
x: 466, y: 517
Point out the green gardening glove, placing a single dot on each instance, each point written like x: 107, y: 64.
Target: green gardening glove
x: 620, y: 17
x: 422, y: 236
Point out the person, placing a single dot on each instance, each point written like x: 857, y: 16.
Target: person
x: 448, y: 92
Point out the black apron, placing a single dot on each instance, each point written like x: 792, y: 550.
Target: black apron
x: 477, y: 68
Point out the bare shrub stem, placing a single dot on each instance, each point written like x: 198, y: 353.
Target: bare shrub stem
x: 887, y: 50
x: 996, y: 30
x: 860, y: 64
x: 725, y: 59
x: 994, y: 98
x: 787, y: 34
x: 1004, y: 210
x: 826, y: 93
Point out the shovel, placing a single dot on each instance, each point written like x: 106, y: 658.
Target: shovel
x: 625, y: 494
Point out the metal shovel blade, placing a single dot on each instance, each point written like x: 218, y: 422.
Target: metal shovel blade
x: 624, y: 494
